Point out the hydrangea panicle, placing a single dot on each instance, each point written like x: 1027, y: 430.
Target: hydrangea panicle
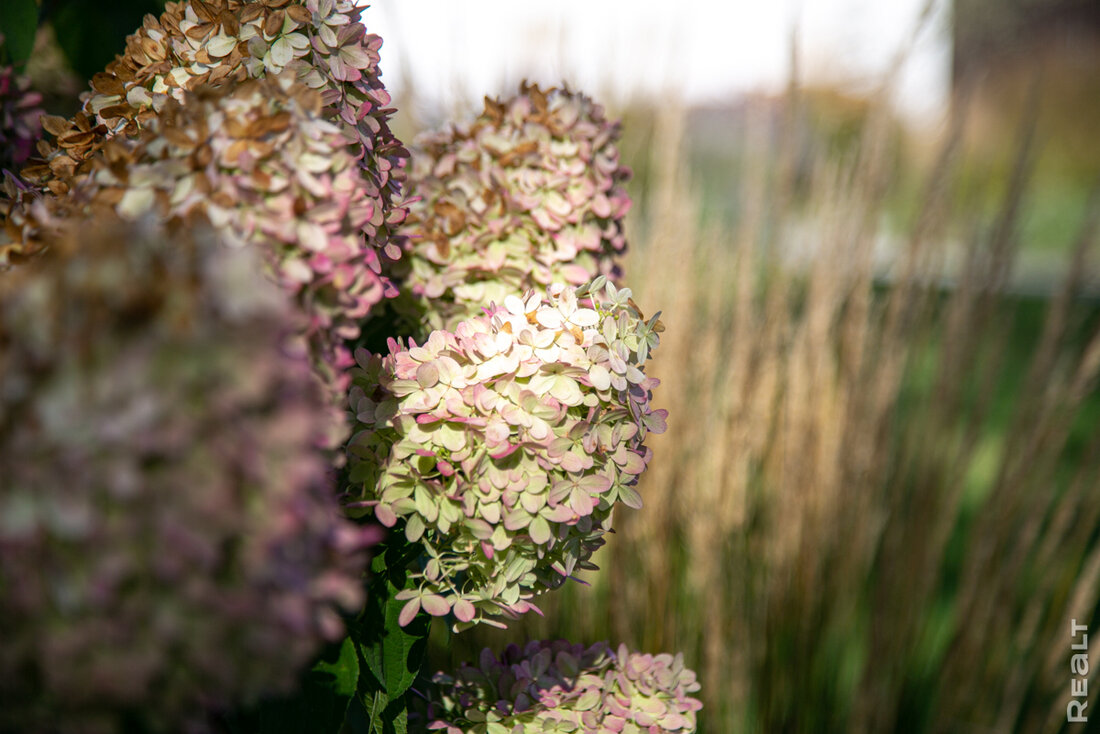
x: 261, y: 161
x: 528, y: 194
x: 196, y: 43
x: 502, y: 447
x: 169, y: 537
x: 562, y: 687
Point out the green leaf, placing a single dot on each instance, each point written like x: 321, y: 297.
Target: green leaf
x: 383, y: 715
x: 343, y: 671
x: 375, y: 705
x: 401, y: 724
x: 392, y: 655
x: 403, y: 648
x: 18, y: 23
x: 319, y: 706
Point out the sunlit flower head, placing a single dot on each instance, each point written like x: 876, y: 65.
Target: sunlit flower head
x: 561, y: 687
x: 502, y: 446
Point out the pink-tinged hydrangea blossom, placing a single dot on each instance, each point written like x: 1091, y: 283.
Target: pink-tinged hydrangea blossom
x: 321, y: 43
x: 562, y: 687
x: 262, y: 163
x: 528, y: 194
x: 502, y: 447
x: 20, y: 112
x: 169, y: 536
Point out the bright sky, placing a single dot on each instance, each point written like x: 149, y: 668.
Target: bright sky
x: 455, y: 51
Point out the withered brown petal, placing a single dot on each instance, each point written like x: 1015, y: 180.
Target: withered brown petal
x: 118, y: 110
x: 251, y: 12
x: 108, y: 84
x: 110, y: 196
x: 218, y: 73
x: 35, y: 171
x: 204, y: 12
x: 232, y: 153
x: 82, y: 121
x: 236, y: 128
x: 299, y: 14
x: 262, y: 148
x: 178, y: 137
x: 203, y: 156
x: 274, y: 124
x: 55, y: 125
x: 229, y: 23
x: 152, y: 49
x: 274, y: 23
x: 76, y: 139
x: 63, y: 166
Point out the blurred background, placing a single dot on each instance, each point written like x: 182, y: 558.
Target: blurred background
x: 872, y: 230
x: 698, y: 53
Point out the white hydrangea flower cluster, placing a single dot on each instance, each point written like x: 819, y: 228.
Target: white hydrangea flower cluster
x: 502, y: 447
x: 558, y: 686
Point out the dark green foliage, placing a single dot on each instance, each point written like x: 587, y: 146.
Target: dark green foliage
x: 392, y: 654
x: 18, y: 23
x: 319, y: 705
x: 362, y: 683
x: 91, y: 32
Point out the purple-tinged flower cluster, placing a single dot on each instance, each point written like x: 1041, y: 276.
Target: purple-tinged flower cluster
x: 169, y: 538
x: 528, y: 194
x: 503, y: 446
x: 321, y: 43
x: 561, y: 687
x: 262, y: 163
x: 20, y: 113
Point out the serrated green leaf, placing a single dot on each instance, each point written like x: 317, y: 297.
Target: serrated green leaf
x: 383, y: 715
x: 391, y: 654
x: 375, y: 706
x: 19, y: 24
x: 403, y: 648
x: 344, y: 670
x: 401, y: 724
